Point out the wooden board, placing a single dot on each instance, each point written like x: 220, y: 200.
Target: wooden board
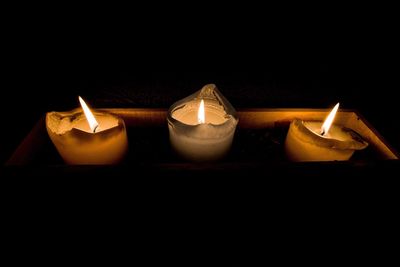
x: 267, y: 125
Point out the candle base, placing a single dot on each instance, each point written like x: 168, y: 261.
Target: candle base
x: 200, y: 150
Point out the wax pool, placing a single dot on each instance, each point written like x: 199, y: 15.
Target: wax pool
x: 78, y: 144
x: 208, y: 141
x: 305, y: 143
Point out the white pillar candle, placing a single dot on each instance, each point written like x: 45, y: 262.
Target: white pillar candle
x: 318, y: 141
x: 101, y: 142
x: 202, y: 136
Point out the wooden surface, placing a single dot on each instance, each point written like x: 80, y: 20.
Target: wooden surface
x: 248, y: 119
x: 268, y: 118
x: 261, y: 118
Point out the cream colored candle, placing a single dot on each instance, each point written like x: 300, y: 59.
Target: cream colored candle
x: 202, y: 126
x: 80, y: 140
x: 317, y: 141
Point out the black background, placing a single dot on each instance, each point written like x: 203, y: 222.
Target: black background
x: 298, y: 58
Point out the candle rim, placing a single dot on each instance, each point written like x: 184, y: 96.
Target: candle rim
x: 209, y: 92
x: 227, y: 116
x: 224, y: 116
x: 78, y: 114
x: 355, y: 143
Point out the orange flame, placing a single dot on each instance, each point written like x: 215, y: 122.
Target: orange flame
x: 329, y: 120
x: 93, y: 124
x: 201, y: 116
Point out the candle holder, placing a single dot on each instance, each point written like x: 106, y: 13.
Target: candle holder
x: 202, y: 139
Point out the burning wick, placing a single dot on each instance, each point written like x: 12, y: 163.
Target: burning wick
x: 97, y: 126
x: 328, y: 122
x: 93, y: 124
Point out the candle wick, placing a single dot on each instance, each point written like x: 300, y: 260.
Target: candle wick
x: 322, y: 132
x: 95, y: 128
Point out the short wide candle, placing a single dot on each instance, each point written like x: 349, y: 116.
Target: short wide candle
x: 309, y: 141
x: 78, y: 143
x: 202, y: 125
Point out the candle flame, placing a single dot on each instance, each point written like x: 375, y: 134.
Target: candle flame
x: 329, y: 120
x: 201, y: 117
x: 93, y: 124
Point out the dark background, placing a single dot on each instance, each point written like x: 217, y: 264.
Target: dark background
x: 298, y: 58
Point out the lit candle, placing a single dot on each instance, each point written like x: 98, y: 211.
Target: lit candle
x: 86, y: 137
x: 202, y: 125
x: 317, y: 141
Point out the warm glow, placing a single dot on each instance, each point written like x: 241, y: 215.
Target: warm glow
x: 201, y: 116
x: 93, y: 124
x: 328, y: 122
